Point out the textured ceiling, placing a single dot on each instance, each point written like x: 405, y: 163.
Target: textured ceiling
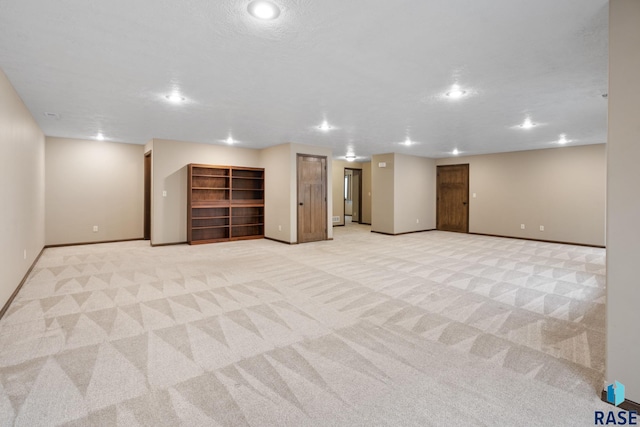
x: 375, y: 70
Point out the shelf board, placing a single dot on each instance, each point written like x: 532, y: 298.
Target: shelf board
x: 247, y: 177
x: 247, y: 201
x: 209, y: 176
x: 210, y: 204
x: 210, y: 188
x: 247, y: 225
x: 253, y: 236
x: 247, y: 189
x: 209, y: 227
x: 210, y: 217
x: 200, y: 242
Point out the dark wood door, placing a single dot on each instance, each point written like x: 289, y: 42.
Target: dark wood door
x: 453, y: 198
x: 312, y: 198
x: 147, y: 196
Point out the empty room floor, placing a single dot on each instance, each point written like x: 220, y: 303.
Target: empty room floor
x: 428, y: 328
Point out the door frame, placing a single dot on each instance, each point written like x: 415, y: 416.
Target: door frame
x: 148, y: 184
x: 438, y: 195
x: 344, y: 201
x: 324, y: 185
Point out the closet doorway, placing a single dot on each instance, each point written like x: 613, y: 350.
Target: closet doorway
x: 452, y: 195
x: 312, y: 198
x: 352, y: 196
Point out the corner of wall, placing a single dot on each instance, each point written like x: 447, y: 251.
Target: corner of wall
x: 22, y: 183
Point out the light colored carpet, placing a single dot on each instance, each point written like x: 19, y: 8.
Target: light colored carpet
x: 430, y: 328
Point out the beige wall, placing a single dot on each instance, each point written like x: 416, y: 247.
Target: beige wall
x: 93, y: 183
x: 403, y: 193
x: 623, y: 210
x: 21, y: 189
x: 414, y: 194
x: 382, y: 194
x: 337, y: 183
x: 366, y: 192
x: 562, y: 189
x: 170, y: 160
x: 277, y: 168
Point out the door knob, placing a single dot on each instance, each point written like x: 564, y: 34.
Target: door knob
x: 464, y: 203
x: 301, y: 203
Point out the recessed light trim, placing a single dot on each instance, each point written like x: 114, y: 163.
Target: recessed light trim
x: 455, y: 152
x: 563, y: 139
x: 408, y: 142
x: 350, y: 157
x: 100, y: 136
x: 263, y: 10
x: 325, y: 126
x: 527, y: 124
x: 175, y: 98
x: 455, y: 92
x: 230, y: 140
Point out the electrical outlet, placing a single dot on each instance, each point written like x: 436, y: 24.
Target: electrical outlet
x: 474, y: 195
x: 417, y: 221
x: 279, y: 228
x: 95, y: 228
x: 542, y: 228
x: 521, y: 226
x: 164, y: 193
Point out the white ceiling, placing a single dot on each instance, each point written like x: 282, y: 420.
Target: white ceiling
x: 375, y: 70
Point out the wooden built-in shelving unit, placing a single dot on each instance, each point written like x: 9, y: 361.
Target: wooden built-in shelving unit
x: 224, y: 203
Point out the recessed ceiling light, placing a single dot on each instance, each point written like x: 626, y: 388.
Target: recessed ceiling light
x: 527, y: 124
x: 455, y: 152
x: 407, y: 142
x: 264, y: 10
x: 175, y: 97
x: 563, y: 139
x: 229, y: 140
x: 325, y: 126
x: 350, y: 157
x: 52, y: 115
x: 100, y: 136
x: 456, y: 92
